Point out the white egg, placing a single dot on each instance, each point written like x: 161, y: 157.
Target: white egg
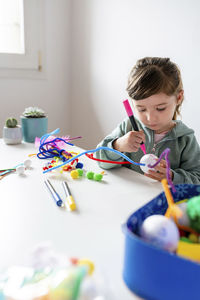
x: 148, y: 159
x: 161, y: 232
x: 20, y: 170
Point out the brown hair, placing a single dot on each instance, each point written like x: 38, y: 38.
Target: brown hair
x: 154, y: 75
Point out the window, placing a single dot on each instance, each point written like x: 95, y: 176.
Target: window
x: 11, y: 26
x: 21, y: 34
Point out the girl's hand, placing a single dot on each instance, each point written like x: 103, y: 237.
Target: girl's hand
x: 160, y: 171
x: 130, y: 142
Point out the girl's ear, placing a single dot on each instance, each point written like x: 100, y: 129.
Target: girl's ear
x: 180, y: 97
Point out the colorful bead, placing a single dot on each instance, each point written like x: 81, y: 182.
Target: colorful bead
x: 79, y: 165
x: 74, y: 174
x: 90, y: 175
x: 87, y: 262
x: 98, y: 177
x: 80, y: 172
x: 193, y: 238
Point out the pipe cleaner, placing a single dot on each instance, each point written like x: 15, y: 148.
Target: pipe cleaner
x: 52, y: 150
x: 92, y: 151
x: 49, y: 146
x: 165, y: 154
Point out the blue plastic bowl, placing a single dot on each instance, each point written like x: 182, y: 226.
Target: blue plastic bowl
x: 153, y: 273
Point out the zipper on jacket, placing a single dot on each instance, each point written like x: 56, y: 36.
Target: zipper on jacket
x: 153, y: 151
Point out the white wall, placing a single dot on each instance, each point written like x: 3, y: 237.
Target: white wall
x: 52, y: 93
x: 90, y: 48
x: 108, y: 37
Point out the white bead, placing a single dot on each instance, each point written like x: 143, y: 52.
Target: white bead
x: 148, y: 159
x: 20, y: 170
x: 27, y: 163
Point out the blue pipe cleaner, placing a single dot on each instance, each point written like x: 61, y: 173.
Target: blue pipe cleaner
x: 92, y: 151
x: 50, y: 153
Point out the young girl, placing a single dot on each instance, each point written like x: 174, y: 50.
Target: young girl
x: 156, y: 89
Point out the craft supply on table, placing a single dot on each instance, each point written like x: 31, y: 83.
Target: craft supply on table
x: 53, y: 193
x: 69, y: 198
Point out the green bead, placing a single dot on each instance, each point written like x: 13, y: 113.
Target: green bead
x: 193, y: 211
x: 80, y: 172
x: 185, y: 239
x: 98, y: 177
x: 90, y: 175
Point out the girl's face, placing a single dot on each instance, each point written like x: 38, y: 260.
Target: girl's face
x: 156, y: 112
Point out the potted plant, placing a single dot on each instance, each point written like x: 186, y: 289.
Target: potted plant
x: 34, y: 124
x: 12, y: 132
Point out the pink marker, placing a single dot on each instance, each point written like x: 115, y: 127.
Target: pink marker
x: 133, y: 122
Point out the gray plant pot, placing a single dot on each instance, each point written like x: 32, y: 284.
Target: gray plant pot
x: 33, y: 127
x: 12, y: 136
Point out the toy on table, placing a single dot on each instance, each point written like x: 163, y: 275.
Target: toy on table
x: 193, y: 212
x: 189, y: 246
x: 48, y: 153
x: 178, y: 230
x: 69, y: 198
x: 51, y: 146
x: 5, y: 172
x: 160, y: 231
x: 94, y: 176
x: 68, y: 203
x: 173, y: 210
x: 19, y: 169
x: 56, y: 197
x: 53, y: 283
x: 54, y: 147
x: 75, y: 174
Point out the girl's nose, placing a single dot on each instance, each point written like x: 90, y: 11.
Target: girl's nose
x: 151, y: 117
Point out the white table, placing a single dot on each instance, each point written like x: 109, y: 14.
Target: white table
x: 29, y: 216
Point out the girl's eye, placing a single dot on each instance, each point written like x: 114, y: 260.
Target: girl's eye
x: 161, y: 109
x: 141, y: 110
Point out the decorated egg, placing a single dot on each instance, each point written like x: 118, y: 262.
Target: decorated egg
x: 148, y: 159
x: 161, y: 232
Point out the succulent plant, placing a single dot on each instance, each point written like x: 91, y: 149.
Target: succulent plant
x: 34, y: 112
x: 11, y: 123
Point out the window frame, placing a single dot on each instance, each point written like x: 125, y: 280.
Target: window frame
x: 31, y: 60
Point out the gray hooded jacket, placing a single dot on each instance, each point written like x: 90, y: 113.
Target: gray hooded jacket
x: 184, y: 155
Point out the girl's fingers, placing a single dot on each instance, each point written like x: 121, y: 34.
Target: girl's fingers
x: 155, y: 176
x: 138, y: 140
x: 163, y: 163
x: 160, y: 169
x: 139, y: 135
x: 150, y: 176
